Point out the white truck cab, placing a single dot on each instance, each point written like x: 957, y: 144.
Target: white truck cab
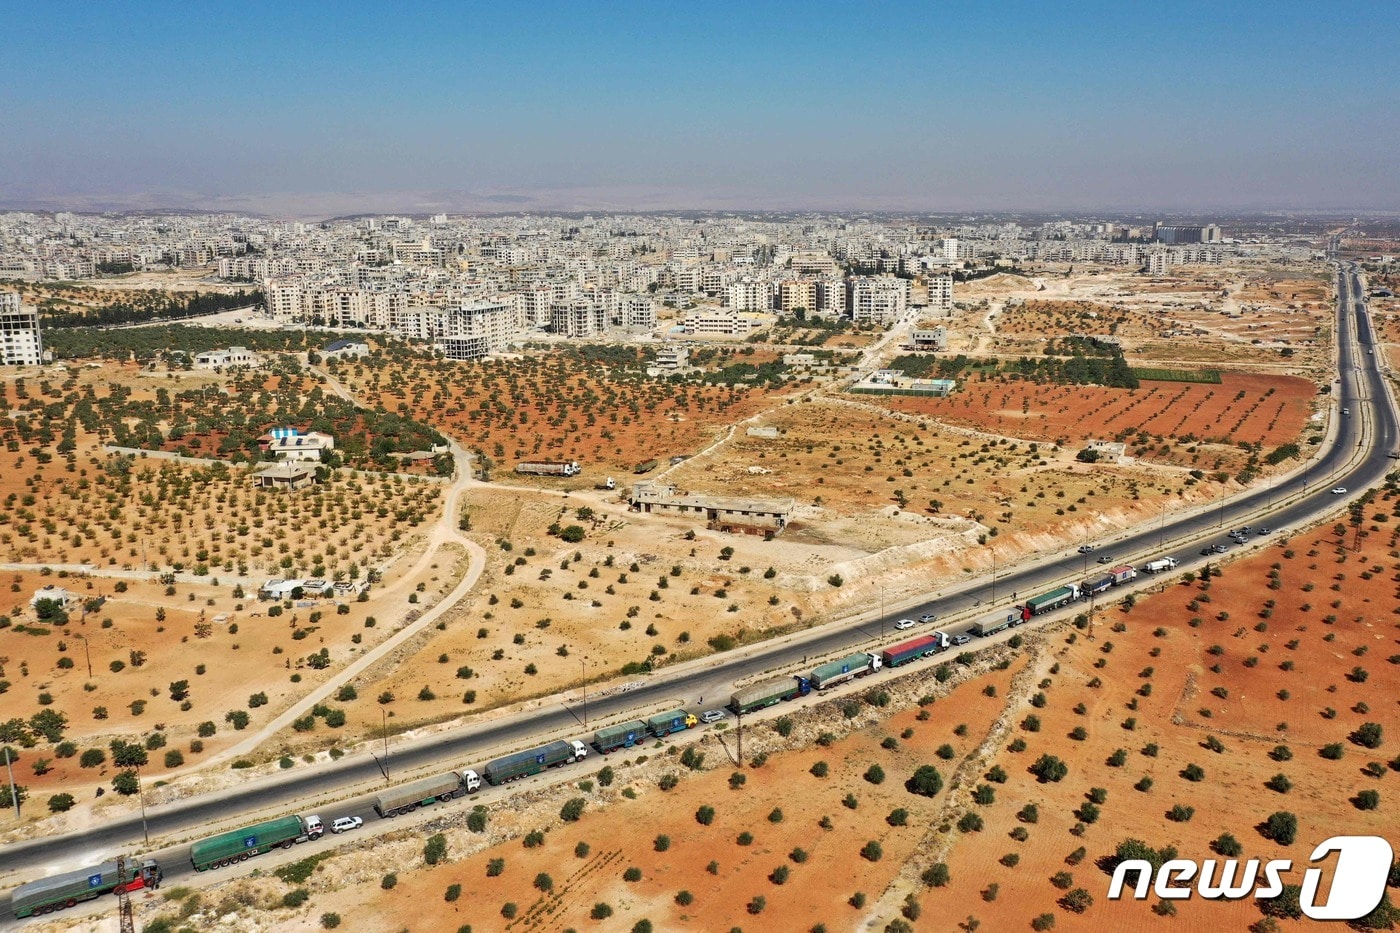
x: 313, y: 826
x: 471, y: 781
x: 580, y: 750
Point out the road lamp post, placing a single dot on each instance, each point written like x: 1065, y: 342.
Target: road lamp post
x: 994, y: 576
x: 882, y: 612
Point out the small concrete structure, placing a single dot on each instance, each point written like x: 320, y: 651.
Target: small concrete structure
x: 279, y: 589
x: 296, y: 446
x: 285, y: 474
x: 343, y: 348
x: 233, y: 356
x: 1107, y: 450
x: 64, y: 598
x: 720, y: 512
x: 932, y: 338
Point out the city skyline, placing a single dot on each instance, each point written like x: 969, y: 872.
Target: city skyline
x: 316, y: 111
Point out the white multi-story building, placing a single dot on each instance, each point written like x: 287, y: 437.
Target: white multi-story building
x: 493, y: 326
x: 940, y: 292
x: 831, y: 297
x: 749, y: 295
x: 20, y: 341
x: 877, y: 299
x: 797, y: 293
x: 718, y: 322
x: 577, y: 319
x: 637, y: 312
x: 283, y: 300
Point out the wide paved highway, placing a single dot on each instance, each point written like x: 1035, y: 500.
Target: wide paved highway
x: 1357, y: 458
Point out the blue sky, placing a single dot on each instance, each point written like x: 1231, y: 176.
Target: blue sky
x: 940, y: 105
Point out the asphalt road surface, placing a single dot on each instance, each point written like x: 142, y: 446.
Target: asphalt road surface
x: 1372, y: 423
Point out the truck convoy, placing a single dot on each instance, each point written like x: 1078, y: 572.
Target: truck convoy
x: 548, y: 468
x: 915, y: 648
x: 49, y: 894
x: 663, y: 724
x: 1159, y: 565
x: 241, y: 844
x: 533, y: 761
x: 848, y: 668
x: 426, y: 792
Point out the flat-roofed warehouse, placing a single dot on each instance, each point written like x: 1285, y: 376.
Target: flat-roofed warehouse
x: 723, y: 513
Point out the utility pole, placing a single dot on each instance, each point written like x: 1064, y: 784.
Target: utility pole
x: 384, y: 730
x: 882, y: 613
x: 141, y: 796
x: 14, y: 794
x: 740, y: 731
x: 994, y: 576
x: 584, y: 669
x: 87, y: 652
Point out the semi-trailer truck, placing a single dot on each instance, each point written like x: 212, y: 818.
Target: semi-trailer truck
x: 914, y: 648
x: 1054, y: 599
x: 848, y: 668
x: 769, y: 693
x: 997, y: 623
x: 533, y: 761
x: 241, y: 844
x: 1122, y: 574
x: 59, y: 891
x: 548, y: 467
x: 426, y: 792
x: 1094, y: 587
x: 1159, y: 565
x: 677, y: 720
x: 623, y: 735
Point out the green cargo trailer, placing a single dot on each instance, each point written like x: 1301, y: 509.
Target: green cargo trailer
x: 677, y: 720
x: 240, y: 844
x: 769, y: 693
x: 1054, y: 599
x: 623, y: 735
x: 848, y: 668
x: 421, y: 793
x: 533, y: 761
x: 59, y: 891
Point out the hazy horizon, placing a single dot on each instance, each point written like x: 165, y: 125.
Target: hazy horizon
x: 317, y: 110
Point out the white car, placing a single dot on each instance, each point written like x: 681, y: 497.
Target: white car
x: 712, y: 715
x: 1339, y: 490
x: 344, y: 823
x: 928, y: 617
x: 905, y: 623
